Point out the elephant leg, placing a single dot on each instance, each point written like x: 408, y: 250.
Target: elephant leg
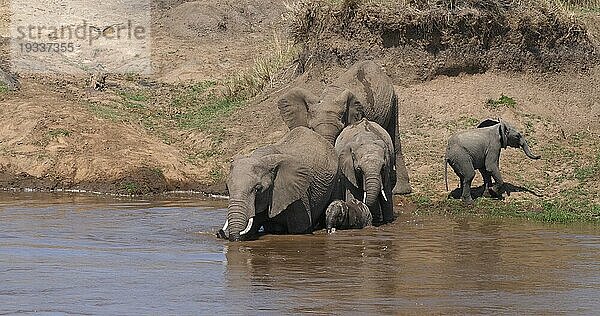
x: 387, y: 207
x: 402, y: 181
x: 466, y: 179
x: 498, y: 187
x: 377, y: 215
x: 298, y: 219
x: 402, y: 185
x: 492, y: 161
x: 487, y: 182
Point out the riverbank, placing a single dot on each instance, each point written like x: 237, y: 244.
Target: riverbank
x: 207, y: 101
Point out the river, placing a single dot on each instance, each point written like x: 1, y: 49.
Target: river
x: 84, y: 254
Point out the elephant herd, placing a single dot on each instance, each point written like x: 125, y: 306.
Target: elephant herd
x: 341, y: 162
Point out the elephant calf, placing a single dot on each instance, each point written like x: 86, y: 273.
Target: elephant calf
x: 353, y: 214
x: 480, y: 149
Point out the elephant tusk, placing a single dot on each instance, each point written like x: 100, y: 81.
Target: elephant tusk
x: 250, y: 221
x: 384, y: 197
x: 365, y: 197
x: 225, y: 226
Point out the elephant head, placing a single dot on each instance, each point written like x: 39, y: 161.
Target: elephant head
x: 509, y: 136
x: 335, y: 215
x: 262, y: 186
x: 366, y: 163
x: 327, y: 116
x: 347, y: 215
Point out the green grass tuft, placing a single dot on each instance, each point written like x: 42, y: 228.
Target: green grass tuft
x: 103, y: 111
x: 502, y: 101
x: 558, y: 210
x: 130, y: 187
x: 202, y: 116
x: 584, y: 173
x: 59, y: 132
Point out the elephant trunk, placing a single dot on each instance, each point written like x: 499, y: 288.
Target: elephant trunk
x: 372, y: 187
x: 237, y: 219
x: 527, y: 151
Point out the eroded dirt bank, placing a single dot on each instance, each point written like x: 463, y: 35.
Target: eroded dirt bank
x: 177, y: 129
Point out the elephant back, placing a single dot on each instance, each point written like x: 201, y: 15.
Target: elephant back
x: 373, y: 88
x: 319, y: 156
x: 310, y: 148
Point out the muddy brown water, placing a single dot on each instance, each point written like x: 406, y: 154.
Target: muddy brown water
x: 76, y: 254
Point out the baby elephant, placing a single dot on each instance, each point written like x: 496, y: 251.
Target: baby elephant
x: 480, y: 149
x: 353, y: 214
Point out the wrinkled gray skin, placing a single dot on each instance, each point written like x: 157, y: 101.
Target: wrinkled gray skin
x: 284, y: 187
x: 366, y: 160
x: 353, y: 214
x: 362, y: 91
x: 480, y: 149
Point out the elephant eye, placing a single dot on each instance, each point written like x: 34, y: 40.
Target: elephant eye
x: 258, y: 188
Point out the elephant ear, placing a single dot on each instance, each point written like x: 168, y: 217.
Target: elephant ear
x: 488, y: 123
x: 354, y: 109
x: 346, y: 165
x: 293, y: 107
x: 291, y: 182
x: 503, y: 131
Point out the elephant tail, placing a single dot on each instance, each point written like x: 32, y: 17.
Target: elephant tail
x: 446, y: 172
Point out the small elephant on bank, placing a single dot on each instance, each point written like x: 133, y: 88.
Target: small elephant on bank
x: 480, y: 149
x: 284, y: 187
x: 366, y: 160
x: 352, y: 214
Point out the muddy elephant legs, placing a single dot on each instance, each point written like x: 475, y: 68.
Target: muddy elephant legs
x: 402, y: 185
x: 402, y: 181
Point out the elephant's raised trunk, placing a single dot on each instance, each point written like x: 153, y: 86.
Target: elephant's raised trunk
x: 527, y: 151
x: 237, y: 219
x: 372, y: 187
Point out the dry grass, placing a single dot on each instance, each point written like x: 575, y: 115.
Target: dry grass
x: 267, y: 71
x: 452, y: 36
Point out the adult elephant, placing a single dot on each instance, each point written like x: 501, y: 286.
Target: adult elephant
x: 479, y: 149
x: 284, y: 187
x: 364, y: 90
x: 366, y: 159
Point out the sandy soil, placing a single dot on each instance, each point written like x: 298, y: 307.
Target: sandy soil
x: 54, y: 133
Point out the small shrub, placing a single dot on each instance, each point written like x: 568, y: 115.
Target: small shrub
x: 130, y: 187
x: 264, y: 73
x: 158, y: 171
x: 59, y: 132
x: 216, y: 174
x: 502, y: 101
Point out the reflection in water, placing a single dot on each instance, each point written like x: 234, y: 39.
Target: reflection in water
x: 437, y: 265
x: 88, y: 255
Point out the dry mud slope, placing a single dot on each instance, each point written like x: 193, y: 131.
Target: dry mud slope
x: 444, y: 67
x: 53, y: 133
